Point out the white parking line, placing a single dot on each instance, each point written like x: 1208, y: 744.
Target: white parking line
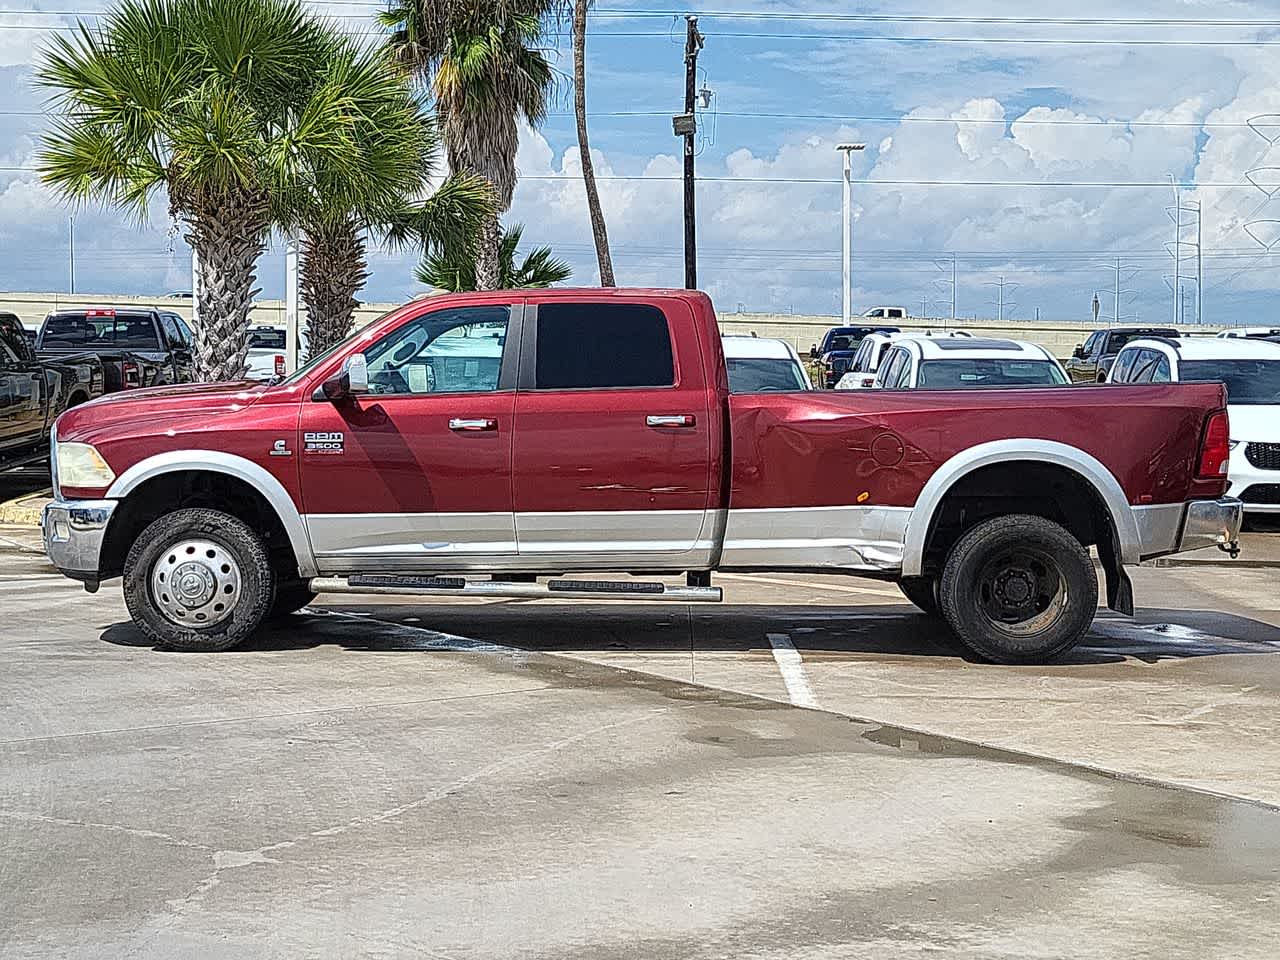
x: 791, y: 666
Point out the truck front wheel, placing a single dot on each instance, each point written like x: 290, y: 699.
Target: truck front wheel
x: 198, y: 580
x: 1018, y: 589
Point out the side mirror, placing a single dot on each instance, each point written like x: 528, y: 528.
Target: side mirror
x: 352, y: 381
x: 1078, y: 352
x: 813, y: 352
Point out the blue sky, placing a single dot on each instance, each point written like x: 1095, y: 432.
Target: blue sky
x: 984, y: 149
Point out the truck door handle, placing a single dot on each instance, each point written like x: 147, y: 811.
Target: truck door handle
x: 472, y: 426
x: 668, y: 422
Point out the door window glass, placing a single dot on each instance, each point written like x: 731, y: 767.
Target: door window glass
x: 171, y: 331
x: 1092, y: 344
x: 891, y: 369
x: 1123, y: 366
x: 602, y: 346
x: 1162, y: 373
x: 450, y: 351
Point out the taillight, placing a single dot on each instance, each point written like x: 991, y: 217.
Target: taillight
x: 1215, y: 450
x: 129, y: 374
x: 279, y: 365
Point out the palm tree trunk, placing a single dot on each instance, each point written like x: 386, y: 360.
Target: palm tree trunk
x: 488, y: 267
x: 228, y: 235
x: 332, y: 268
x: 584, y: 148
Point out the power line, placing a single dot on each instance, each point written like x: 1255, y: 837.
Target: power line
x: 828, y: 181
x: 752, y: 115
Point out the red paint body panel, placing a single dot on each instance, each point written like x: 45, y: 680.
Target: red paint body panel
x: 593, y: 450
x: 401, y: 456
x: 815, y: 449
x: 590, y: 450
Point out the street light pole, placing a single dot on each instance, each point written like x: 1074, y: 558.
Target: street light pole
x: 692, y: 44
x: 71, y: 237
x: 848, y: 149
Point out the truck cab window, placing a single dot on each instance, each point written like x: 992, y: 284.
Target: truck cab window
x: 448, y: 351
x: 602, y: 346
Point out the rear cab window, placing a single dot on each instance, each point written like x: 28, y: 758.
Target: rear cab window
x: 95, y: 329
x: 602, y: 346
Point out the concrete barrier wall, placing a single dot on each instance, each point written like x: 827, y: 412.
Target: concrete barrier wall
x: 1060, y: 337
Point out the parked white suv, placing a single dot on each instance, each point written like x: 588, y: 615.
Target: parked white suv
x: 763, y: 365
x: 1251, y: 370
x: 965, y: 363
x: 871, y: 353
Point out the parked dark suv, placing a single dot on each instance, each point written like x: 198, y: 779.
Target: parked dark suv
x: 837, y: 349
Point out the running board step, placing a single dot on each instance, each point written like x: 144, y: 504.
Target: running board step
x: 460, y: 587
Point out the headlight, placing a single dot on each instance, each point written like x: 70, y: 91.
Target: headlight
x: 80, y: 465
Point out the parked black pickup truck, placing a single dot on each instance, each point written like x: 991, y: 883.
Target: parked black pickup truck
x: 1091, y: 361
x: 34, y: 392
x: 138, y: 348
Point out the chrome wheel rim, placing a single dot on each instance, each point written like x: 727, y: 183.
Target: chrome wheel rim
x: 1022, y: 592
x: 196, y: 583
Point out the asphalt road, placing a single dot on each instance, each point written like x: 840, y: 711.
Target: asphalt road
x: 542, y: 779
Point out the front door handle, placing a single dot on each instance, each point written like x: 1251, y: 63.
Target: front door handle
x: 669, y: 422
x: 478, y: 425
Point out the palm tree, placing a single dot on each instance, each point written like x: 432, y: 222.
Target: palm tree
x: 584, y: 148
x: 454, y: 268
x: 485, y: 72
x: 337, y: 199
x: 211, y: 102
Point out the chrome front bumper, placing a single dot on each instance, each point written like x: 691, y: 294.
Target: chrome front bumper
x: 73, y: 535
x: 1211, y: 523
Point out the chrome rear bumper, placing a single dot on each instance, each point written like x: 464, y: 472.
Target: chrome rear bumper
x: 1211, y: 523
x: 73, y: 534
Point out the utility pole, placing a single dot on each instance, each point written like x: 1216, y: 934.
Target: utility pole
x: 1000, y: 287
x: 1199, y: 261
x: 71, y: 236
x: 195, y: 290
x: 1177, y: 247
x: 1115, y: 316
x: 692, y: 44
x: 291, y: 326
x: 846, y: 226
x: 953, y: 289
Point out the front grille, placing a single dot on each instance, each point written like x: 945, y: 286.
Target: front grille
x: 1264, y: 456
x: 840, y: 366
x: 1268, y: 493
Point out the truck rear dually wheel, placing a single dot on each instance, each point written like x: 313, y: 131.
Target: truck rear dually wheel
x: 1018, y: 589
x: 198, y: 580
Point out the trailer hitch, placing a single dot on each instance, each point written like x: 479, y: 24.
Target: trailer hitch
x: 1232, y: 548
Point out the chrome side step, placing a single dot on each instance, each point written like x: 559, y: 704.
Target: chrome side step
x: 397, y: 586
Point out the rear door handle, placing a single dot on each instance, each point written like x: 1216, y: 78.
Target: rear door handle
x: 478, y: 425
x: 670, y: 422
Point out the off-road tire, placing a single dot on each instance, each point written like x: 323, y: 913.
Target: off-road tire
x: 923, y: 592
x: 257, y: 578
x: 291, y: 596
x: 966, y: 598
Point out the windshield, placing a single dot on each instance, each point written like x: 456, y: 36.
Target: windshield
x: 1248, y: 381
x: 765, y: 375
x: 846, y: 341
x: 305, y: 370
x: 266, y: 338
x: 963, y: 374
x: 1118, y: 340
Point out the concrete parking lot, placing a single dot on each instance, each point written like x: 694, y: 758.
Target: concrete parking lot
x: 806, y: 771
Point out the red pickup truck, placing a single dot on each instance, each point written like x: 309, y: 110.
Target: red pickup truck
x: 479, y: 444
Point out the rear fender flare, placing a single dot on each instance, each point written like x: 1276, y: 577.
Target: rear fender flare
x: 1108, y: 488
x: 215, y: 461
